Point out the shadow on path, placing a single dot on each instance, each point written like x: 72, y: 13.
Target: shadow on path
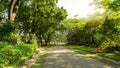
x: 60, y: 57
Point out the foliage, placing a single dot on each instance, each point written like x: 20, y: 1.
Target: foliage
x: 74, y: 23
x: 13, y: 38
x: 32, y: 16
x: 83, y: 31
x: 27, y: 49
x: 99, y: 39
x: 9, y: 54
x: 8, y: 32
x: 6, y: 28
x: 98, y: 29
x: 48, y: 35
x: 72, y: 28
x: 39, y: 17
x: 110, y: 27
x: 35, y: 19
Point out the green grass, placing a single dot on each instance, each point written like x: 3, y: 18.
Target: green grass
x: 39, y: 62
x: 78, y: 49
x: 84, y: 50
x: 110, y: 56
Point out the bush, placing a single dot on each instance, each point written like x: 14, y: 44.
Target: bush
x: 98, y: 39
x: 9, y: 54
x: 27, y: 49
x: 8, y: 32
x: 2, y: 44
x: 6, y: 28
x: 13, y: 38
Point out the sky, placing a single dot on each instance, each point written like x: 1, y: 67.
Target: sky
x: 79, y: 7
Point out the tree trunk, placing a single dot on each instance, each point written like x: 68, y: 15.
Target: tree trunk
x: 31, y: 38
x: 13, y: 8
x: 38, y: 40
x: 41, y: 40
x: 47, y: 39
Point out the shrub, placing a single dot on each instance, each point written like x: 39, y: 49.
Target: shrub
x: 2, y: 44
x: 6, y: 28
x: 26, y: 49
x: 8, y: 32
x: 98, y: 39
x: 13, y: 38
x: 9, y: 54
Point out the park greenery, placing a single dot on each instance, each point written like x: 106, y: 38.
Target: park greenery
x: 25, y: 25
x: 98, y: 30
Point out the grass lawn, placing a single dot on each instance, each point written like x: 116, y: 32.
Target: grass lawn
x: 79, y: 49
x: 39, y: 62
x: 110, y: 56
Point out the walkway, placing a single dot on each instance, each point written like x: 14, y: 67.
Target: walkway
x: 60, y: 57
x: 31, y: 61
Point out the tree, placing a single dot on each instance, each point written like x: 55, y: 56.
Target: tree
x: 8, y: 10
x: 36, y: 17
x: 9, y: 7
x: 110, y: 28
x: 72, y: 28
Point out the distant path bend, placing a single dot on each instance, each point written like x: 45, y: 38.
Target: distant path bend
x: 60, y: 57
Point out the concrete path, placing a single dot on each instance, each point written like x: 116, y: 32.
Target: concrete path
x: 60, y: 57
x: 31, y: 61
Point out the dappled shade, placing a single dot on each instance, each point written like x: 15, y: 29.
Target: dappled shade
x: 59, y: 57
